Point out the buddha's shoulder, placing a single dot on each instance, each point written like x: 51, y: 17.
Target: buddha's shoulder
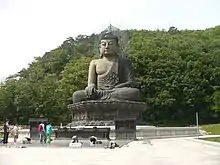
x: 121, y: 59
x: 95, y: 61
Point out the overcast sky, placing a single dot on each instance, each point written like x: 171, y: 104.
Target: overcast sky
x: 29, y: 28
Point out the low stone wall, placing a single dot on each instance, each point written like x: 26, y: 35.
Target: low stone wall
x: 167, y: 132
x: 162, y: 132
x: 145, y: 132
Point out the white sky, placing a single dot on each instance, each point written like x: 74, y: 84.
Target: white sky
x: 29, y: 28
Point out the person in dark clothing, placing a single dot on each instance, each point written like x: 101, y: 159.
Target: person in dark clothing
x: 6, y: 131
x: 93, y: 140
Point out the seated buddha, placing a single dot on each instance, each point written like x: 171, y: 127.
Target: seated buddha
x: 110, y: 76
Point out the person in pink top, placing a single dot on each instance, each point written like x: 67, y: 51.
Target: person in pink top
x: 41, y: 132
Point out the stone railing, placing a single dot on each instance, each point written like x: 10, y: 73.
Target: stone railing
x: 167, y: 132
x: 163, y: 132
x: 145, y: 132
x: 157, y: 132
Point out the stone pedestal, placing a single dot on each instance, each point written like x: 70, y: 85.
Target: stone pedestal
x: 125, y: 128
x: 122, y: 114
x: 106, y: 110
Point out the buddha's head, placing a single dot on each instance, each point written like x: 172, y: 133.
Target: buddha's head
x: 109, y: 45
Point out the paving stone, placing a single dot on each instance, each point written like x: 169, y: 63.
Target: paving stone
x: 173, y: 151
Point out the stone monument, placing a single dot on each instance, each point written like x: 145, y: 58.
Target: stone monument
x: 110, y: 96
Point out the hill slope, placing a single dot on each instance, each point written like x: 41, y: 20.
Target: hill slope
x: 178, y: 73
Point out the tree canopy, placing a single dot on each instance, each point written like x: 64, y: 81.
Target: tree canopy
x: 178, y: 71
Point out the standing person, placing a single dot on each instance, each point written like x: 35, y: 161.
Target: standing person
x: 15, y: 133
x: 41, y: 132
x: 6, y: 131
x: 49, y: 131
x: 45, y: 135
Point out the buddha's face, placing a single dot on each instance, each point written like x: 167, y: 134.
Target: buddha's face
x: 108, y: 47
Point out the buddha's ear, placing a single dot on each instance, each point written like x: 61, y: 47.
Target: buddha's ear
x: 100, y: 54
x: 99, y: 48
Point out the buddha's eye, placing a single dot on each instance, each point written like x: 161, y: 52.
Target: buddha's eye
x: 107, y: 43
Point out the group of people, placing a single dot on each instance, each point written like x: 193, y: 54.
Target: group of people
x: 9, y: 130
x: 45, y: 131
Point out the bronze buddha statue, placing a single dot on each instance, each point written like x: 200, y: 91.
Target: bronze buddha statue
x: 110, y: 77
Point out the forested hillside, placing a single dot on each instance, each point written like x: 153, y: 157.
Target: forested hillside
x: 178, y: 73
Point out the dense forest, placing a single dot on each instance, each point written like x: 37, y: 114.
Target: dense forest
x: 178, y: 72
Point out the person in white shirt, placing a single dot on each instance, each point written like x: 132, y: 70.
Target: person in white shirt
x: 15, y: 132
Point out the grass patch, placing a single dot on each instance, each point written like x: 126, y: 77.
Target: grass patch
x: 214, y: 139
x: 213, y: 129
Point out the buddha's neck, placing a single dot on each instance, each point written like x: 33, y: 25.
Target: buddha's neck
x: 110, y: 57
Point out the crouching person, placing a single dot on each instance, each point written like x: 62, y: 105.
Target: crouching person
x: 93, y: 140
x: 74, y: 143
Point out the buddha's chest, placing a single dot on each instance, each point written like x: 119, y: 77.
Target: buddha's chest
x: 103, y: 67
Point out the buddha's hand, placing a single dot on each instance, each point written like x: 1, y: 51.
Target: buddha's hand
x: 90, y: 90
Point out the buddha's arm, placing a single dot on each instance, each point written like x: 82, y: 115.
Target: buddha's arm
x: 92, y: 74
x: 129, y: 76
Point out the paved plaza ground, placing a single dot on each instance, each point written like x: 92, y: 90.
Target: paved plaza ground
x: 173, y: 151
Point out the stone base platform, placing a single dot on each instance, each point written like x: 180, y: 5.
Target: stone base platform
x: 122, y: 113
x: 106, y: 109
x: 91, y: 123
